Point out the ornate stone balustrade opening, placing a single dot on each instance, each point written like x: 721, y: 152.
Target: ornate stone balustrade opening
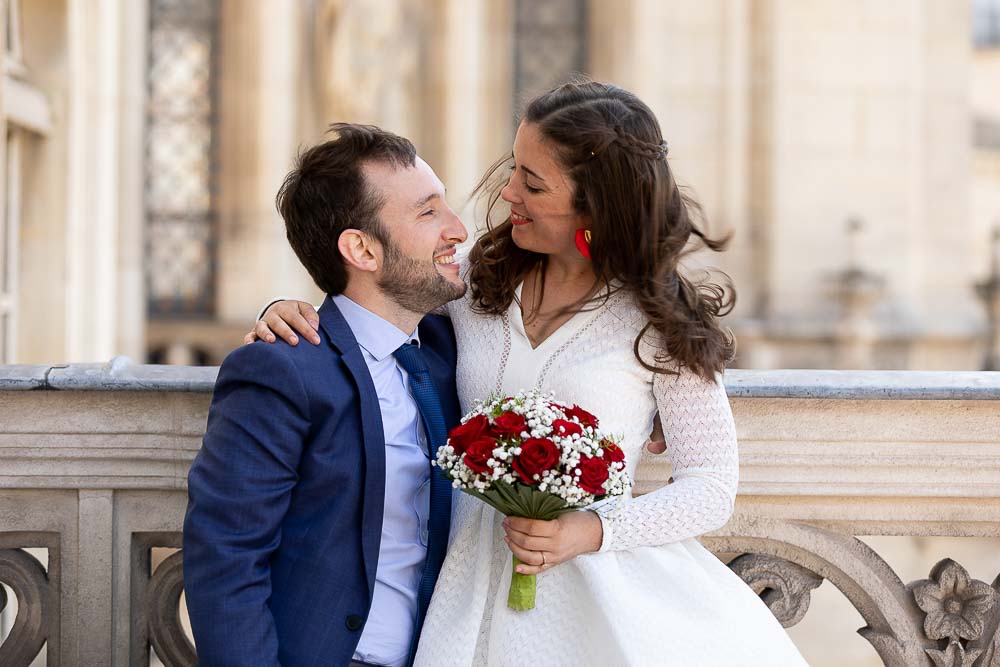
x: 94, y: 458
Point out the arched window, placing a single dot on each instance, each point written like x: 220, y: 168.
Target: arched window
x: 180, y: 160
x: 550, y: 44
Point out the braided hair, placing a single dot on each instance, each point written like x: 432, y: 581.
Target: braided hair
x: 610, y: 145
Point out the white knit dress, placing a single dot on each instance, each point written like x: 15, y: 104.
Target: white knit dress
x: 652, y: 595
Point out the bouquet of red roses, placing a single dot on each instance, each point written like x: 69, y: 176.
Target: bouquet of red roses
x: 531, y: 456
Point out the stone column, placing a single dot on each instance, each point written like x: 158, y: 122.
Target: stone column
x: 95, y: 61
x: 42, y: 321
x: 462, y: 123
x: 81, y: 284
x: 464, y: 93
x: 367, y: 59
x: 260, y: 132
x: 131, y: 271
x: 942, y: 269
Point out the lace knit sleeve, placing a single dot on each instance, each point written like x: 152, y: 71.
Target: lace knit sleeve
x: 701, y: 442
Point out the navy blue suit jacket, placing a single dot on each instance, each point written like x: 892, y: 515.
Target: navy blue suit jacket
x: 285, y: 498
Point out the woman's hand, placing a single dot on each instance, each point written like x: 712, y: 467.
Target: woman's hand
x: 283, y: 316
x: 656, y: 444
x: 541, y: 544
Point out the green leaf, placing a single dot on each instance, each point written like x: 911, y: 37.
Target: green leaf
x: 522, y: 500
x: 513, y: 499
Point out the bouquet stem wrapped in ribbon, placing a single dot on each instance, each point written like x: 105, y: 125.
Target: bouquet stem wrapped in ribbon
x: 531, y: 456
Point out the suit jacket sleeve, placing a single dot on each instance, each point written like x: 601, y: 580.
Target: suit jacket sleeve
x: 239, y: 489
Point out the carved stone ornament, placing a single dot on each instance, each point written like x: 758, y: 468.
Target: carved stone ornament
x: 948, y: 620
x: 954, y: 656
x: 961, y: 610
x: 162, y: 606
x: 783, y: 586
x: 956, y: 605
x: 27, y: 578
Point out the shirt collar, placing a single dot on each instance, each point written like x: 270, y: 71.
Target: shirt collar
x: 375, y: 335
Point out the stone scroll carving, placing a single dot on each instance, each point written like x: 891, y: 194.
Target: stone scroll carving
x: 783, y: 586
x: 947, y: 620
x: 27, y: 578
x: 156, y: 598
x: 162, y: 604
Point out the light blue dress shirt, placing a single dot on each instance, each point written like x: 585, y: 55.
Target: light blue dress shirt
x: 386, y: 637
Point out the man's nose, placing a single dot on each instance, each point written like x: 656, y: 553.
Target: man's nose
x: 456, y: 230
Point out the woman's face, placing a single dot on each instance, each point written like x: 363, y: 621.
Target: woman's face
x: 540, y: 195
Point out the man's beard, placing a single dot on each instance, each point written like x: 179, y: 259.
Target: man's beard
x: 414, y: 285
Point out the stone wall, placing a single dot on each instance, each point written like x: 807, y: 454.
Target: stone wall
x: 94, y: 462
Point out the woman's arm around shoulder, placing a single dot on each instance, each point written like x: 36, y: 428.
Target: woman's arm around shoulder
x: 284, y: 317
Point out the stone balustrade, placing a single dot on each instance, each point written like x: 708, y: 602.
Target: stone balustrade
x: 93, y: 464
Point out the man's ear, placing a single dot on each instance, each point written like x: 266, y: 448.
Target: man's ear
x: 359, y: 250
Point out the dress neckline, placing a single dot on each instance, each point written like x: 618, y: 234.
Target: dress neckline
x: 554, y: 339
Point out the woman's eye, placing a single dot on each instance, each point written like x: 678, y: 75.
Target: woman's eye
x: 512, y: 168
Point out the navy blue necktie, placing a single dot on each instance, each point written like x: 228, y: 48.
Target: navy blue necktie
x: 428, y: 402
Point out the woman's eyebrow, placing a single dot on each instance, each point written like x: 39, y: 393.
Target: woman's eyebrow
x: 532, y: 173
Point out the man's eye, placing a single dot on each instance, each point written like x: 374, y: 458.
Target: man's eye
x: 428, y: 212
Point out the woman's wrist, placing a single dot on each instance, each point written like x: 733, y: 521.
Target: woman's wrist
x: 594, y: 532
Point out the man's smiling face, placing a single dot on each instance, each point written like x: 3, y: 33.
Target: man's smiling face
x: 418, y: 269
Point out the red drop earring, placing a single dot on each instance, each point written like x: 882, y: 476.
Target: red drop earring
x: 583, y: 242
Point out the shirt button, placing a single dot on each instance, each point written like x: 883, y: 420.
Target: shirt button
x: 354, y: 622
x: 424, y: 535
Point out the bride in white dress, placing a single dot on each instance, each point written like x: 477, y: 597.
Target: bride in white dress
x: 611, y: 326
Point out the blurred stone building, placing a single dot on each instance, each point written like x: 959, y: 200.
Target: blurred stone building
x: 852, y: 146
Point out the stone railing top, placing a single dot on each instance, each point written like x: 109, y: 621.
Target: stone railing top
x: 871, y: 385
x: 121, y: 374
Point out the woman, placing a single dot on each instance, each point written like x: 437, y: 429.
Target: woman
x: 578, y: 292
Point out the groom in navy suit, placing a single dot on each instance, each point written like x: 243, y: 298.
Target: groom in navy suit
x: 316, y: 526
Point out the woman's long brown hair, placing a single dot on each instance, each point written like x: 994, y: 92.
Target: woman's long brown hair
x: 609, y: 143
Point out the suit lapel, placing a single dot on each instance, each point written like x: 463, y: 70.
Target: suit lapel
x: 372, y: 433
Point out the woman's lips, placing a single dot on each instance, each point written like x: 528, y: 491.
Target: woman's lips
x: 516, y: 219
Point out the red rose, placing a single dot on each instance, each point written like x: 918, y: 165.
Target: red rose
x: 612, y: 452
x: 564, y: 427
x: 593, y: 474
x: 464, y: 434
x: 478, y: 453
x: 510, y: 424
x: 537, y: 455
x: 582, y: 416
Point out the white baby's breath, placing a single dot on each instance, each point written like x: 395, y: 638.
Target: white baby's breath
x: 539, y: 412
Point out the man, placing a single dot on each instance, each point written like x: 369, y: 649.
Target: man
x: 315, y: 528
